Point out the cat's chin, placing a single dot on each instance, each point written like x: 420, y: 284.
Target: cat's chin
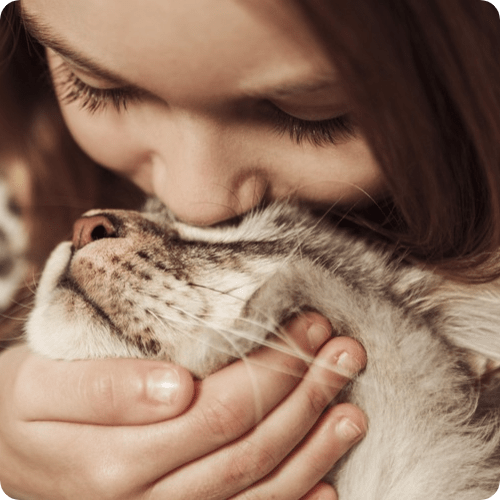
x: 60, y: 326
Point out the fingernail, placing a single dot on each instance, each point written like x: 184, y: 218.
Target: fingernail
x: 317, y: 335
x: 163, y: 385
x: 348, y: 365
x: 348, y: 429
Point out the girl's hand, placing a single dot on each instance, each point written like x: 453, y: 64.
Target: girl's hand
x: 106, y: 429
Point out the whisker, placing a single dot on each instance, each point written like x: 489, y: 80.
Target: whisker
x: 289, y: 348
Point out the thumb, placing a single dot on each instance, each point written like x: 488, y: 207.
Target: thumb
x: 105, y: 392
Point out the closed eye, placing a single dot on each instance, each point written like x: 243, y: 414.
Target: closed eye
x: 73, y: 89
x: 325, y: 132
x: 93, y: 99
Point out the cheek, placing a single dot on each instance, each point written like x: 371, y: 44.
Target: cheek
x: 343, y: 174
x: 106, y: 138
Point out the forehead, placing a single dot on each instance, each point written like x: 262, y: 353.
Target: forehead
x: 244, y: 43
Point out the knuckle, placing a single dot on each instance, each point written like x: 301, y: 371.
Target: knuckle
x: 224, y: 421
x: 318, y: 398
x: 102, y: 395
x: 18, y: 405
x: 250, y: 463
x: 22, y: 388
x: 318, y: 464
x: 108, y: 481
x: 294, y: 364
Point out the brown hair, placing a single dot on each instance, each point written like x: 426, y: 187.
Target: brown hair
x: 424, y: 76
x: 64, y: 181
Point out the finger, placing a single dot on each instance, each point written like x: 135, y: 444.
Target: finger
x: 252, y: 457
x: 232, y: 401
x: 116, y: 391
x: 109, y: 451
x: 104, y: 392
x: 339, y: 429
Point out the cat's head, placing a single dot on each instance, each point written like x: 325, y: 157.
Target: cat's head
x: 141, y: 284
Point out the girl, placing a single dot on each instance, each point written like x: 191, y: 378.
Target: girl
x: 388, y: 111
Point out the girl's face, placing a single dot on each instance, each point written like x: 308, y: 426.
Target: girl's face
x: 213, y: 106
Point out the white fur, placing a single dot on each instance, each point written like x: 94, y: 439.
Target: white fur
x: 206, y: 307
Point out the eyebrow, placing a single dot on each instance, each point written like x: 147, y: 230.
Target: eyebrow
x: 44, y: 35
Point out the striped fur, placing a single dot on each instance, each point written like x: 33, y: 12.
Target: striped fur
x: 202, y: 297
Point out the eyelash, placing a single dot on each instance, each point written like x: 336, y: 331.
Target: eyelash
x: 92, y: 99
x: 316, y: 132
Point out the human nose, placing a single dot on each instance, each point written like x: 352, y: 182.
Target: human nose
x: 205, y: 177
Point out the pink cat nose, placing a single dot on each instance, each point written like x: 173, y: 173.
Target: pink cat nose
x: 89, y: 229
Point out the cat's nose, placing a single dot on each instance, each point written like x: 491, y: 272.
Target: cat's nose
x: 93, y: 228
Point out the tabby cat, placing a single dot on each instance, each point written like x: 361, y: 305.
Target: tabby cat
x: 141, y: 284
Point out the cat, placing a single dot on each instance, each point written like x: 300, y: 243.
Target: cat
x: 142, y: 284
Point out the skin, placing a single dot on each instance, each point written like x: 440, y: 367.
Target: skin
x: 202, y: 137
